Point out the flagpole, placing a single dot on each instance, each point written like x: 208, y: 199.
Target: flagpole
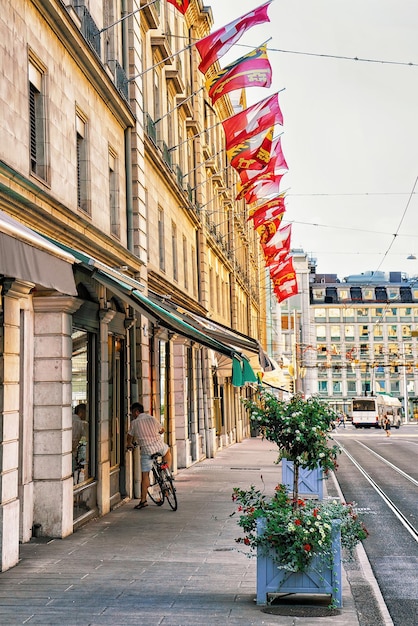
x: 144, y: 6
x: 179, y: 105
x: 171, y: 56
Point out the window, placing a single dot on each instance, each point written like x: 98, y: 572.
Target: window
x: 368, y: 293
x: 321, y: 313
x: 344, y: 294
x: 335, y: 332
x: 378, y: 349
x: 405, y: 312
x: 362, y: 312
x: 334, y: 313
x: 322, y: 386
x: 392, y: 332
x: 156, y: 100
x: 394, y: 386
x: 82, y: 449
x: 364, y: 332
x: 351, y: 386
x: 185, y: 264
x: 393, y: 293
x: 114, y: 196
x: 348, y: 312
x: 174, y: 251
x: 336, y: 386
x: 321, y: 332
x: 378, y: 331
x: 37, y: 121
x: 82, y: 164
x: 194, y: 271
x: 161, y: 240
x: 349, y: 331
x: 318, y: 294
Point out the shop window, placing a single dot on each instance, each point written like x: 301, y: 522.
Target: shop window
x: 83, y: 427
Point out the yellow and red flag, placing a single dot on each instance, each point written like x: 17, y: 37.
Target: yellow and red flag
x: 215, y: 45
x: 278, y: 246
x: 181, y: 5
x: 252, y: 154
x: 252, y: 121
x: 263, y: 188
x: 285, y: 283
x: 276, y: 164
x: 267, y: 211
x: 269, y: 228
x: 251, y: 70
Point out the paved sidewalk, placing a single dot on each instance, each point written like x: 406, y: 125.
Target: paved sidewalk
x: 155, y: 566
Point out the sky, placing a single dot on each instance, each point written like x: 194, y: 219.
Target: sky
x: 350, y: 132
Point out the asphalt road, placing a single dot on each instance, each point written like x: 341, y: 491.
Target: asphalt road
x: 380, y: 474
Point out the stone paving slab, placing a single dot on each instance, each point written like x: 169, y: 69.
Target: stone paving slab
x: 156, y: 567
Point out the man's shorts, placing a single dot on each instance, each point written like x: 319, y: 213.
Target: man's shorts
x: 146, y: 460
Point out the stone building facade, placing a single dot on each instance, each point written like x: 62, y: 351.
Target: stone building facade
x: 127, y: 269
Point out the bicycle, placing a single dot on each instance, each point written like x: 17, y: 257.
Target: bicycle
x: 161, y: 483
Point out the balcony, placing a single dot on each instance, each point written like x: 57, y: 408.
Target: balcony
x: 151, y: 128
x: 167, y: 158
x: 88, y: 28
x: 121, y: 80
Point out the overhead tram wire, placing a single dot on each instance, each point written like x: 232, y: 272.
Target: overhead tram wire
x: 318, y: 54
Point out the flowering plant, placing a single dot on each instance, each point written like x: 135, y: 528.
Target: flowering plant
x: 294, y: 536
x: 300, y: 428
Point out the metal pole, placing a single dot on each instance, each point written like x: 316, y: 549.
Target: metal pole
x: 405, y: 386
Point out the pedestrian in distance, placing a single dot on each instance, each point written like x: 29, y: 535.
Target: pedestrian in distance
x: 146, y: 431
x: 341, y: 420
x: 386, y: 425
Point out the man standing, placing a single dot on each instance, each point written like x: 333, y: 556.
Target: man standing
x: 146, y: 430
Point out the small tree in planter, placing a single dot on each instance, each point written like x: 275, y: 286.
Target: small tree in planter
x: 298, y: 543
x: 300, y: 428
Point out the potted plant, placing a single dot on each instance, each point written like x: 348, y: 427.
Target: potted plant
x: 297, y: 542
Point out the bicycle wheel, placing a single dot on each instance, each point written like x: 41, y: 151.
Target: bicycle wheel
x: 169, y: 490
x: 154, y: 490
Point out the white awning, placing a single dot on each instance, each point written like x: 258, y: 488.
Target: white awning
x: 25, y: 255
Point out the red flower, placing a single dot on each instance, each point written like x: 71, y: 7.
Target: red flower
x: 246, y: 541
x: 298, y: 522
x: 307, y: 547
x: 239, y: 508
x: 315, y: 512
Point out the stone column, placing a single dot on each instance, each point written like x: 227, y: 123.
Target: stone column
x: 103, y: 486
x: 10, y: 340
x: 52, y: 442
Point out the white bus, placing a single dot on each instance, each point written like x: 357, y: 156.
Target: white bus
x: 368, y: 411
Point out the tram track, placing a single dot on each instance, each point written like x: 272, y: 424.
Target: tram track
x: 413, y: 531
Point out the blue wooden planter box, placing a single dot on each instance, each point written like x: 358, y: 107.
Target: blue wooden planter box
x: 311, y: 482
x: 319, y: 578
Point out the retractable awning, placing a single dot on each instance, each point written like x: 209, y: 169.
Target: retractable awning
x: 130, y: 290
x: 26, y: 255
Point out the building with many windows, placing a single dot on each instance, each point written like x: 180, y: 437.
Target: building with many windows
x: 360, y: 337
x: 127, y: 269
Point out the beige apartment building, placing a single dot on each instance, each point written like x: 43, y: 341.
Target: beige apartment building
x: 353, y: 336
x: 127, y: 269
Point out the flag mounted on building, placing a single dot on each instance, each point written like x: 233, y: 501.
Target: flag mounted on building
x: 264, y: 188
x: 252, y: 121
x: 277, y: 164
x: 215, y: 45
x: 253, y: 153
x: 285, y: 283
x: 181, y: 5
x: 251, y: 70
x: 268, y: 229
x: 279, y: 245
x: 267, y: 210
